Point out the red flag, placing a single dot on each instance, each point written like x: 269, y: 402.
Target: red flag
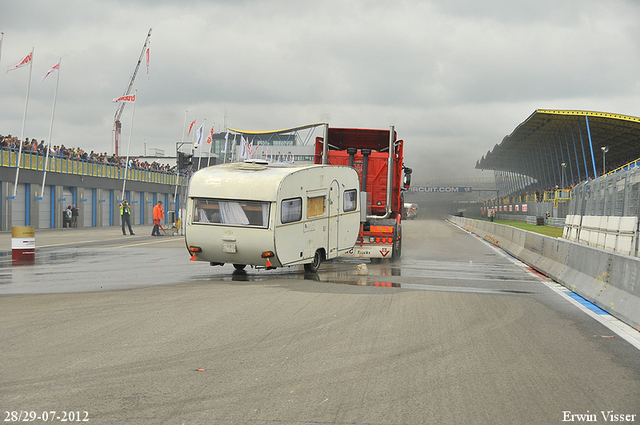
x: 210, y: 136
x: 54, y: 68
x: 147, y: 61
x: 191, y: 126
x: 126, y: 98
x: 22, y: 63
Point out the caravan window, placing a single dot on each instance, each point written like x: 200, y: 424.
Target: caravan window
x: 231, y: 212
x: 350, y: 200
x: 291, y: 210
x: 315, y: 206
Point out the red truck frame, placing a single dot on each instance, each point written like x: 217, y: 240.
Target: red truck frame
x: 377, y: 156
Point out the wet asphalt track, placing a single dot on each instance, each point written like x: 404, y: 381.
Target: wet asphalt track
x: 129, y: 330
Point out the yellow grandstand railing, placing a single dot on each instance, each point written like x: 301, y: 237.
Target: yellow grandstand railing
x: 562, y: 195
x: 625, y: 167
x: 32, y: 161
x: 549, y: 196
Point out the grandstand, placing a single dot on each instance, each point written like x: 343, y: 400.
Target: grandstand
x: 581, y: 168
x: 93, y: 185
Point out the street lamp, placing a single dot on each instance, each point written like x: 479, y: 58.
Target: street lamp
x: 605, y: 149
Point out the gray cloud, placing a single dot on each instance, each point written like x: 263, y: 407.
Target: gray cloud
x: 454, y: 77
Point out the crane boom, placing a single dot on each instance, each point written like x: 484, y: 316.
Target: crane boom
x: 116, y: 121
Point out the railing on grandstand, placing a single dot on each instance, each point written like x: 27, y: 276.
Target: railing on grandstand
x: 562, y: 195
x: 33, y: 161
x: 549, y: 196
x: 629, y: 166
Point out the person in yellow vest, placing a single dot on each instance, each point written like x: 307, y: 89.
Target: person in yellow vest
x: 158, y: 214
x: 125, y: 213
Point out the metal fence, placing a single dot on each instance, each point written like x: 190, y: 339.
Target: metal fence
x: 612, y: 195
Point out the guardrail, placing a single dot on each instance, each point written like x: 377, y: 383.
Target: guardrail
x: 609, y: 280
x: 33, y: 161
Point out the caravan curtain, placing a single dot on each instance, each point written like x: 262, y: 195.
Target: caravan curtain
x: 232, y: 213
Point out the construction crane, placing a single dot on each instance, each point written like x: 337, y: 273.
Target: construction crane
x: 117, y: 126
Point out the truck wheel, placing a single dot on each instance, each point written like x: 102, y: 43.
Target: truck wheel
x: 239, y: 266
x: 315, y: 265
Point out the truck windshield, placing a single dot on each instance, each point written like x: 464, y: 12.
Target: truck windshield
x: 231, y: 212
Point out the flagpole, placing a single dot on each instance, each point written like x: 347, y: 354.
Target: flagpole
x: 175, y: 195
x: 24, y: 120
x: 193, y: 135
x: 226, y: 139
x: 204, y: 125
x: 126, y: 169
x: 233, y: 147
x: 210, y: 144
x: 53, y: 111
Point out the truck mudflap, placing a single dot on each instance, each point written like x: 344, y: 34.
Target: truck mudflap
x: 370, y: 251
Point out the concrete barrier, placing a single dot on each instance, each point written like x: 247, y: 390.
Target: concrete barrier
x: 608, y: 279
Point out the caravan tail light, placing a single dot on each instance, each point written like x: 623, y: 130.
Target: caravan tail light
x: 194, y: 249
x: 267, y: 254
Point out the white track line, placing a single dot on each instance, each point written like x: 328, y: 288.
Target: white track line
x: 617, y: 326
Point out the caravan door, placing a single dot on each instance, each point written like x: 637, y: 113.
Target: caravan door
x: 333, y: 225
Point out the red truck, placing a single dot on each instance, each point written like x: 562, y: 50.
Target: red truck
x: 377, y: 156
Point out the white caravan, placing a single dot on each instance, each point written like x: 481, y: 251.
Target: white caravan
x: 272, y: 215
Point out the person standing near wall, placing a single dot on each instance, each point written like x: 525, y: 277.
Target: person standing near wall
x: 158, y: 214
x: 125, y: 213
x: 68, y: 213
x: 75, y: 212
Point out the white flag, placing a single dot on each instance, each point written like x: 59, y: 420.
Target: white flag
x: 23, y: 62
x: 127, y: 98
x: 199, y: 133
x: 226, y: 139
x: 243, y: 148
x: 147, y: 61
x: 54, y: 68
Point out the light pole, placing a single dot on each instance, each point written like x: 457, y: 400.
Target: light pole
x: 605, y: 149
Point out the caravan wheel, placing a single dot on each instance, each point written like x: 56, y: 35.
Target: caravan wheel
x: 239, y: 266
x: 315, y: 265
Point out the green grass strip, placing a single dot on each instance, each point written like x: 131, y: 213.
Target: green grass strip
x: 554, y: 232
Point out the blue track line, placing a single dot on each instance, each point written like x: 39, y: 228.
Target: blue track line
x: 588, y: 304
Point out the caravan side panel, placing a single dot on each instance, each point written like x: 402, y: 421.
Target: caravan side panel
x: 312, y: 214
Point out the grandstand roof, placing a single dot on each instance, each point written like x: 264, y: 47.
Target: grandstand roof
x: 548, y: 138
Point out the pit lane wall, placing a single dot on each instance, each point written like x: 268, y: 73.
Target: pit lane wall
x: 609, y: 280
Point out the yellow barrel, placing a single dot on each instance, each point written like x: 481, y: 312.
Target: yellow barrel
x: 23, y: 243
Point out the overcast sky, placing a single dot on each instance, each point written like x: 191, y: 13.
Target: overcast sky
x: 453, y: 76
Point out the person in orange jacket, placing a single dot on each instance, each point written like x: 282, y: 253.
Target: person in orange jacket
x: 158, y: 214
